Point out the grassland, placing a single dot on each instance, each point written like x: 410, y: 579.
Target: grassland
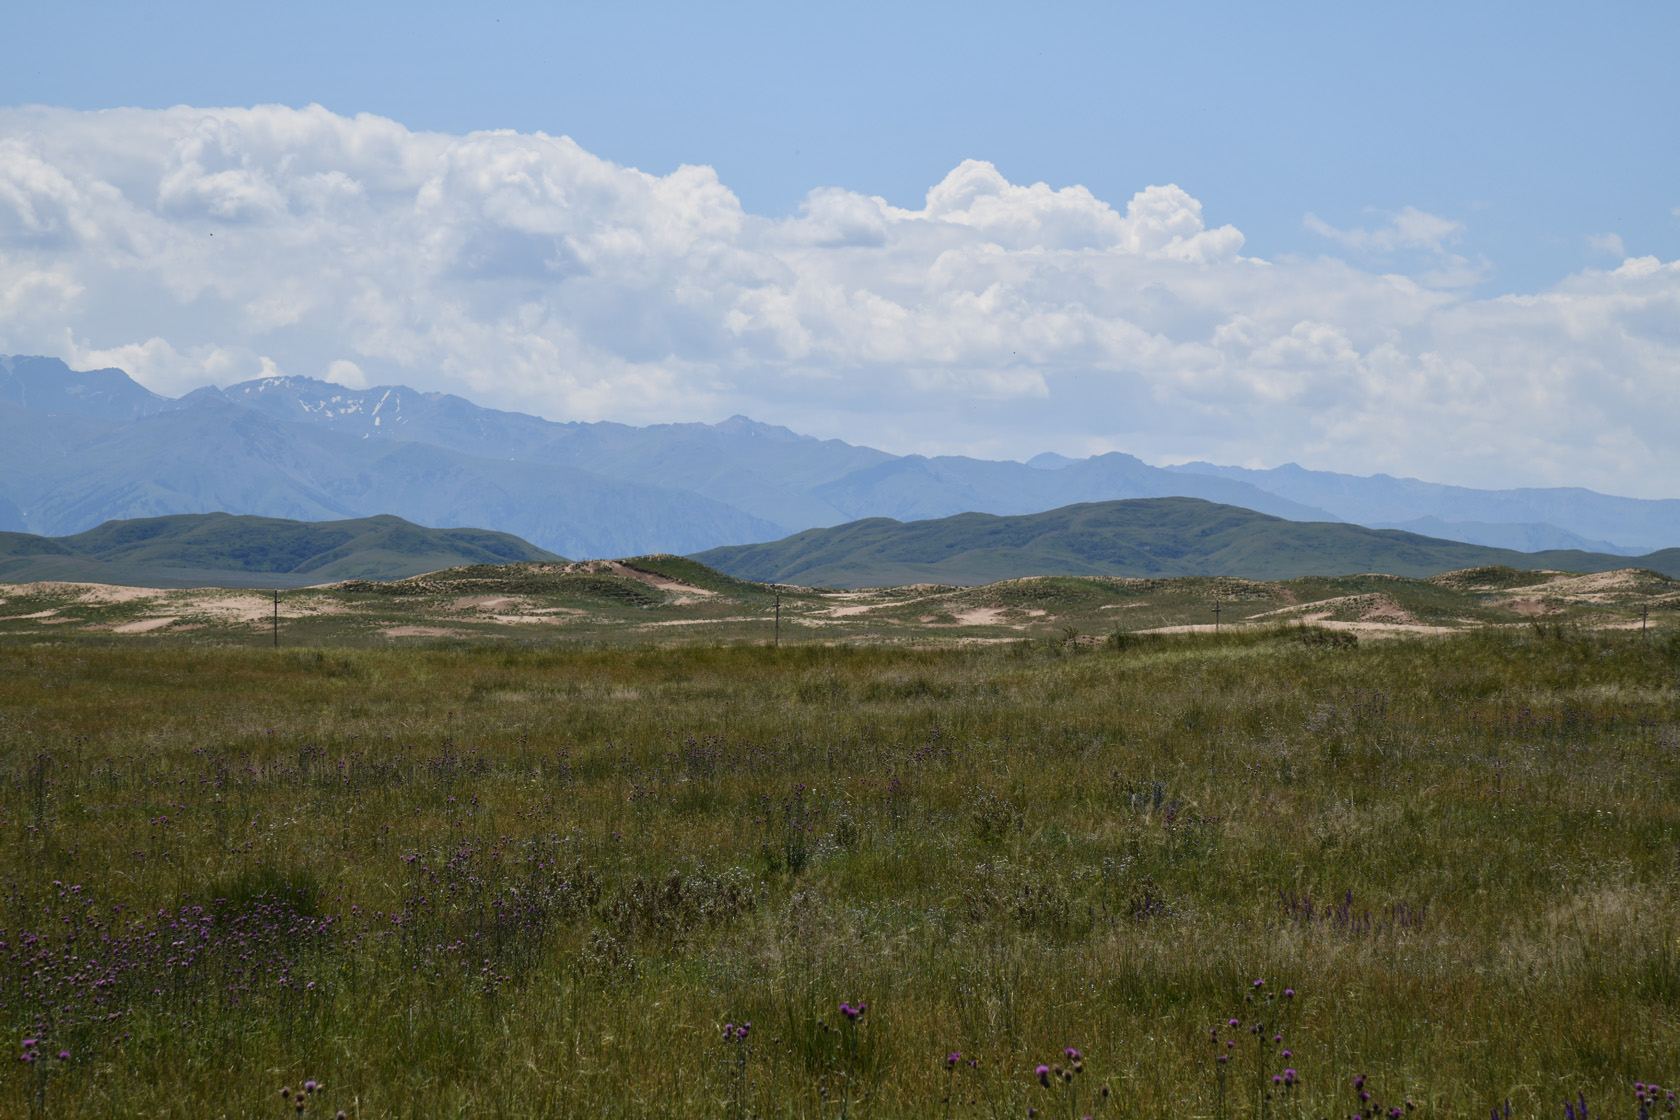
x: 496, y: 876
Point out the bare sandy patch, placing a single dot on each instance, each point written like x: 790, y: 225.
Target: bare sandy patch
x: 980, y: 616
x: 551, y: 617
x: 1605, y: 587
x: 709, y: 621
x: 1529, y: 607
x: 850, y: 611
x: 421, y: 632
x: 142, y: 625
x: 37, y: 614
x: 483, y: 603
x: 659, y: 582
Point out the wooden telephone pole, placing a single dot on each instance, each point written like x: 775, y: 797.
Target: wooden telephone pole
x: 778, y: 620
x: 277, y: 620
x: 1216, y: 609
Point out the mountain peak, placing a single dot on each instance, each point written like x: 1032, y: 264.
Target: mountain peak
x: 49, y: 385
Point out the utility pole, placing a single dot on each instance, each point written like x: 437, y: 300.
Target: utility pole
x: 778, y: 620
x: 1216, y: 609
x: 277, y: 620
x: 1644, y: 613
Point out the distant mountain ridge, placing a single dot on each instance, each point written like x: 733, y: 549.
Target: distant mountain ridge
x: 1150, y: 537
x: 222, y: 550
x: 1592, y: 519
x: 77, y: 449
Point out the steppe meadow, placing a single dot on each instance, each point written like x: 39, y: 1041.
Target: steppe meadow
x: 1263, y: 873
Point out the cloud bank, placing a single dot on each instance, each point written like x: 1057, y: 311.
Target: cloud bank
x: 198, y: 245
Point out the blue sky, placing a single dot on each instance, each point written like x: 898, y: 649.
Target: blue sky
x: 1538, y: 126
x: 1433, y: 240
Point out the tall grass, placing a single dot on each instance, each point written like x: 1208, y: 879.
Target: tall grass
x: 490, y: 882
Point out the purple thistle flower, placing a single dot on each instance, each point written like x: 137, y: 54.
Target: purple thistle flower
x: 952, y: 1059
x: 1277, y: 1079
x: 64, y: 1055
x: 1259, y: 983
x: 1234, y: 1023
x: 1289, y: 993
x: 1044, y: 1076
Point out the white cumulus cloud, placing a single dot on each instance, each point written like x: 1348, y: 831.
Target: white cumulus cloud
x: 209, y: 245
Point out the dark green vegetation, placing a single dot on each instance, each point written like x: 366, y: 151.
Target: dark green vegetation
x: 195, y: 549
x: 1139, y: 537
x: 487, y: 881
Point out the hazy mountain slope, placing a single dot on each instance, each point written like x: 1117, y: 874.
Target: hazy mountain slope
x: 48, y: 385
x: 1634, y: 523
x: 917, y: 488
x: 1523, y: 537
x: 105, y: 452
x: 763, y: 470
x: 1146, y: 537
x: 792, y: 480
x: 218, y: 549
x: 215, y: 456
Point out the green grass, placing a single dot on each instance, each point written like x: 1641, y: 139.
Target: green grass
x: 195, y: 549
x: 1138, y: 538
x: 516, y: 882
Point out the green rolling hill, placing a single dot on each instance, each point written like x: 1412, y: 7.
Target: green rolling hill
x: 1141, y: 537
x: 222, y: 550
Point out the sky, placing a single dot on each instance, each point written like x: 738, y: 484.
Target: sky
x: 1432, y: 240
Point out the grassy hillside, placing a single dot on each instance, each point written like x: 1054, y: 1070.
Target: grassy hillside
x: 1151, y: 537
x: 227, y: 551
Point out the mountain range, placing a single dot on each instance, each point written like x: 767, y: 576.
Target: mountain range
x: 1152, y: 537
x: 81, y: 448
x: 221, y: 550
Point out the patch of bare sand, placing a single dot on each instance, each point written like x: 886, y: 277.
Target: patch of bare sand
x: 703, y: 621
x: 37, y: 614
x: 142, y: 625
x: 421, y: 632
x: 1530, y: 607
x: 1604, y: 587
x: 974, y: 616
x: 661, y: 583
x: 88, y: 592
x: 484, y: 603
x: 550, y: 615
x: 848, y: 612
x: 1370, y: 608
